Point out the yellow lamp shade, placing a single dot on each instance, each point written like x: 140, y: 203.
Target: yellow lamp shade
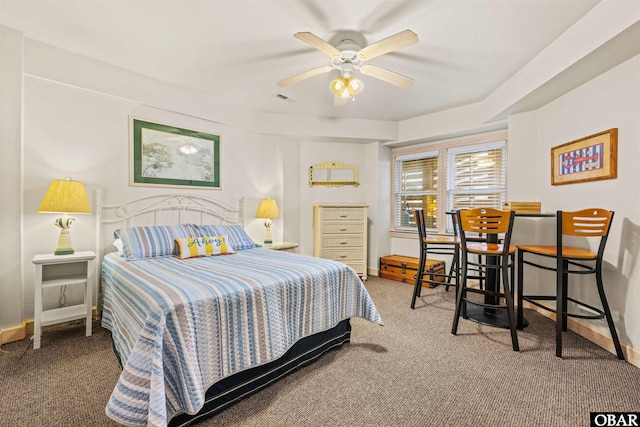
x: 65, y: 196
x: 268, y: 209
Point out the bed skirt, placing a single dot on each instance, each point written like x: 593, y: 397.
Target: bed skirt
x: 230, y: 390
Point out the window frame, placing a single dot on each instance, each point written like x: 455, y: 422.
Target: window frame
x: 441, y: 147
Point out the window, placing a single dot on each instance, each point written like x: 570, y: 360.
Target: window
x: 463, y: 174
x: 476, y: 176
x: 417, y: 188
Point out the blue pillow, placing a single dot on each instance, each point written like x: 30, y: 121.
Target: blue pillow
x: 152, y: 241
x: 237, y: 236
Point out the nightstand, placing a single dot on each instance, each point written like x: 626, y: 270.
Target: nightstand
x: 62, y: 270
x: 282, y: 246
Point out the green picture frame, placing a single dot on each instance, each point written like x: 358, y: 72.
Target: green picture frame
x: 163, y: 155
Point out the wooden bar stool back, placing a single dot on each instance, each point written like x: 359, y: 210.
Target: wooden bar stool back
x: 434, y: 244
x: 593, y: 223
x: 497, y: 260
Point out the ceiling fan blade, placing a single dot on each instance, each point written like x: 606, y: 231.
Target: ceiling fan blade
x: 315, y: 41
x: 386, y: 76
x: 298, y: 77
x: 397, y: 41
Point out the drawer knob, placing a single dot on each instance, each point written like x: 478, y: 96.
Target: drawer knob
x: 343, y: 215
x: 343, y: 228
x: 343, y: 242
x: 342, y: 256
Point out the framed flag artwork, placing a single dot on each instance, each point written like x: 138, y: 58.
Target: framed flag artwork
x: 590, y: 158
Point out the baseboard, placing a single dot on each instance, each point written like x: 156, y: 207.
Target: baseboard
x: 20, y: 332
x: 594, y: 335
x: 13, y: 333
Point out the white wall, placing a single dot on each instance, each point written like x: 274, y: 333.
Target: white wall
x: 372, y: 160
x: 76, y: 123
x: 10, y: 176
x: 378, y: 173
x: 74, y: 132
x: 312, y: 153
x: 608, y: 101
x: 611, y: 100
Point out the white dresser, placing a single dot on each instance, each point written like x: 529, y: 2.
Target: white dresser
x: 340, y: 233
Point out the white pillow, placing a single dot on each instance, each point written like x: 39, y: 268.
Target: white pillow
x: 119, y: 246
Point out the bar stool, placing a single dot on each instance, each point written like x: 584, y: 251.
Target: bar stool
x: 434, y: 244
x: 498, y: 260
x: 593, y: 223
x: 477, y: 272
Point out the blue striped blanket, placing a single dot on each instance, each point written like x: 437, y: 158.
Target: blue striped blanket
x: 180, y: 326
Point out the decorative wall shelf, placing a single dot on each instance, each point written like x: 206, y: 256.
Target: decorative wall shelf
x: 333, y: 174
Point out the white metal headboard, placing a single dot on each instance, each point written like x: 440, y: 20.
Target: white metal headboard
x: 162, y: 209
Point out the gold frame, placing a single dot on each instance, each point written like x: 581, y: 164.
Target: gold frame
x: 333, y: 174
x: 597, y: 155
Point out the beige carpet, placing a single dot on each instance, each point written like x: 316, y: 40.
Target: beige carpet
x: 410, y: 372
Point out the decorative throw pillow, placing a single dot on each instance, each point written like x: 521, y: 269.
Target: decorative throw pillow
x: 237, y: 236
x: 191, y: 247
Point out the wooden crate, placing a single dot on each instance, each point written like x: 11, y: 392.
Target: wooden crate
x: 403, y: 268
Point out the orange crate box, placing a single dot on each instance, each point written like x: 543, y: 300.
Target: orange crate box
x: 403, y: 268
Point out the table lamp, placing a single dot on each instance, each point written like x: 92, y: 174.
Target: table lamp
x: 65, y: 196
x: 268, y: 210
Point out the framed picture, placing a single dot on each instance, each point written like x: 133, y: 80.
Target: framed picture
x: 591, y: 158
x: 169, y: 156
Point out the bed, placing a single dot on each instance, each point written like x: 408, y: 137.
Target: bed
x: 194, y: 334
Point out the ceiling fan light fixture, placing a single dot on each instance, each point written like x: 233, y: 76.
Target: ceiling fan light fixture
x: 354, y: 85
x: 348, y: 57
x: 346, y: 88
x: 338, y: 85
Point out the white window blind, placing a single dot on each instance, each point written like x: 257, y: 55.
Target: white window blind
x: 446, y: 177
x: 416, y: 188
x: 477, y: 176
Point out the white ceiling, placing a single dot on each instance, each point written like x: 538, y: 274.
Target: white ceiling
x: 237, y: 50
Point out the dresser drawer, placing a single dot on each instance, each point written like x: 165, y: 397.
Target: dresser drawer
x: 338, y: 214
x: 357, y: 266
x: 342, y: 228
x: 355, y: 254
x: 343, y: 241
x: 340, y: 234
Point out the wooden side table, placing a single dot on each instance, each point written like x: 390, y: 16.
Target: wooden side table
x: 62, y: 270
x: 283, y: 246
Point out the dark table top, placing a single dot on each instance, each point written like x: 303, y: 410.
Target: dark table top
x: 536, y: 214
x: 524, y: 214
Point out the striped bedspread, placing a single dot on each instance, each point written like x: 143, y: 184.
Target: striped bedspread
x: 182, y: 325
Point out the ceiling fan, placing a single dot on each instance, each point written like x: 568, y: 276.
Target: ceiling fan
x: 348, y: 57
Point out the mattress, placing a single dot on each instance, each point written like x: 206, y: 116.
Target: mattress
x: 181, y: 326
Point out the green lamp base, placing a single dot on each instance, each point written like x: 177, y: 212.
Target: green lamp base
x: 64, y: 251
